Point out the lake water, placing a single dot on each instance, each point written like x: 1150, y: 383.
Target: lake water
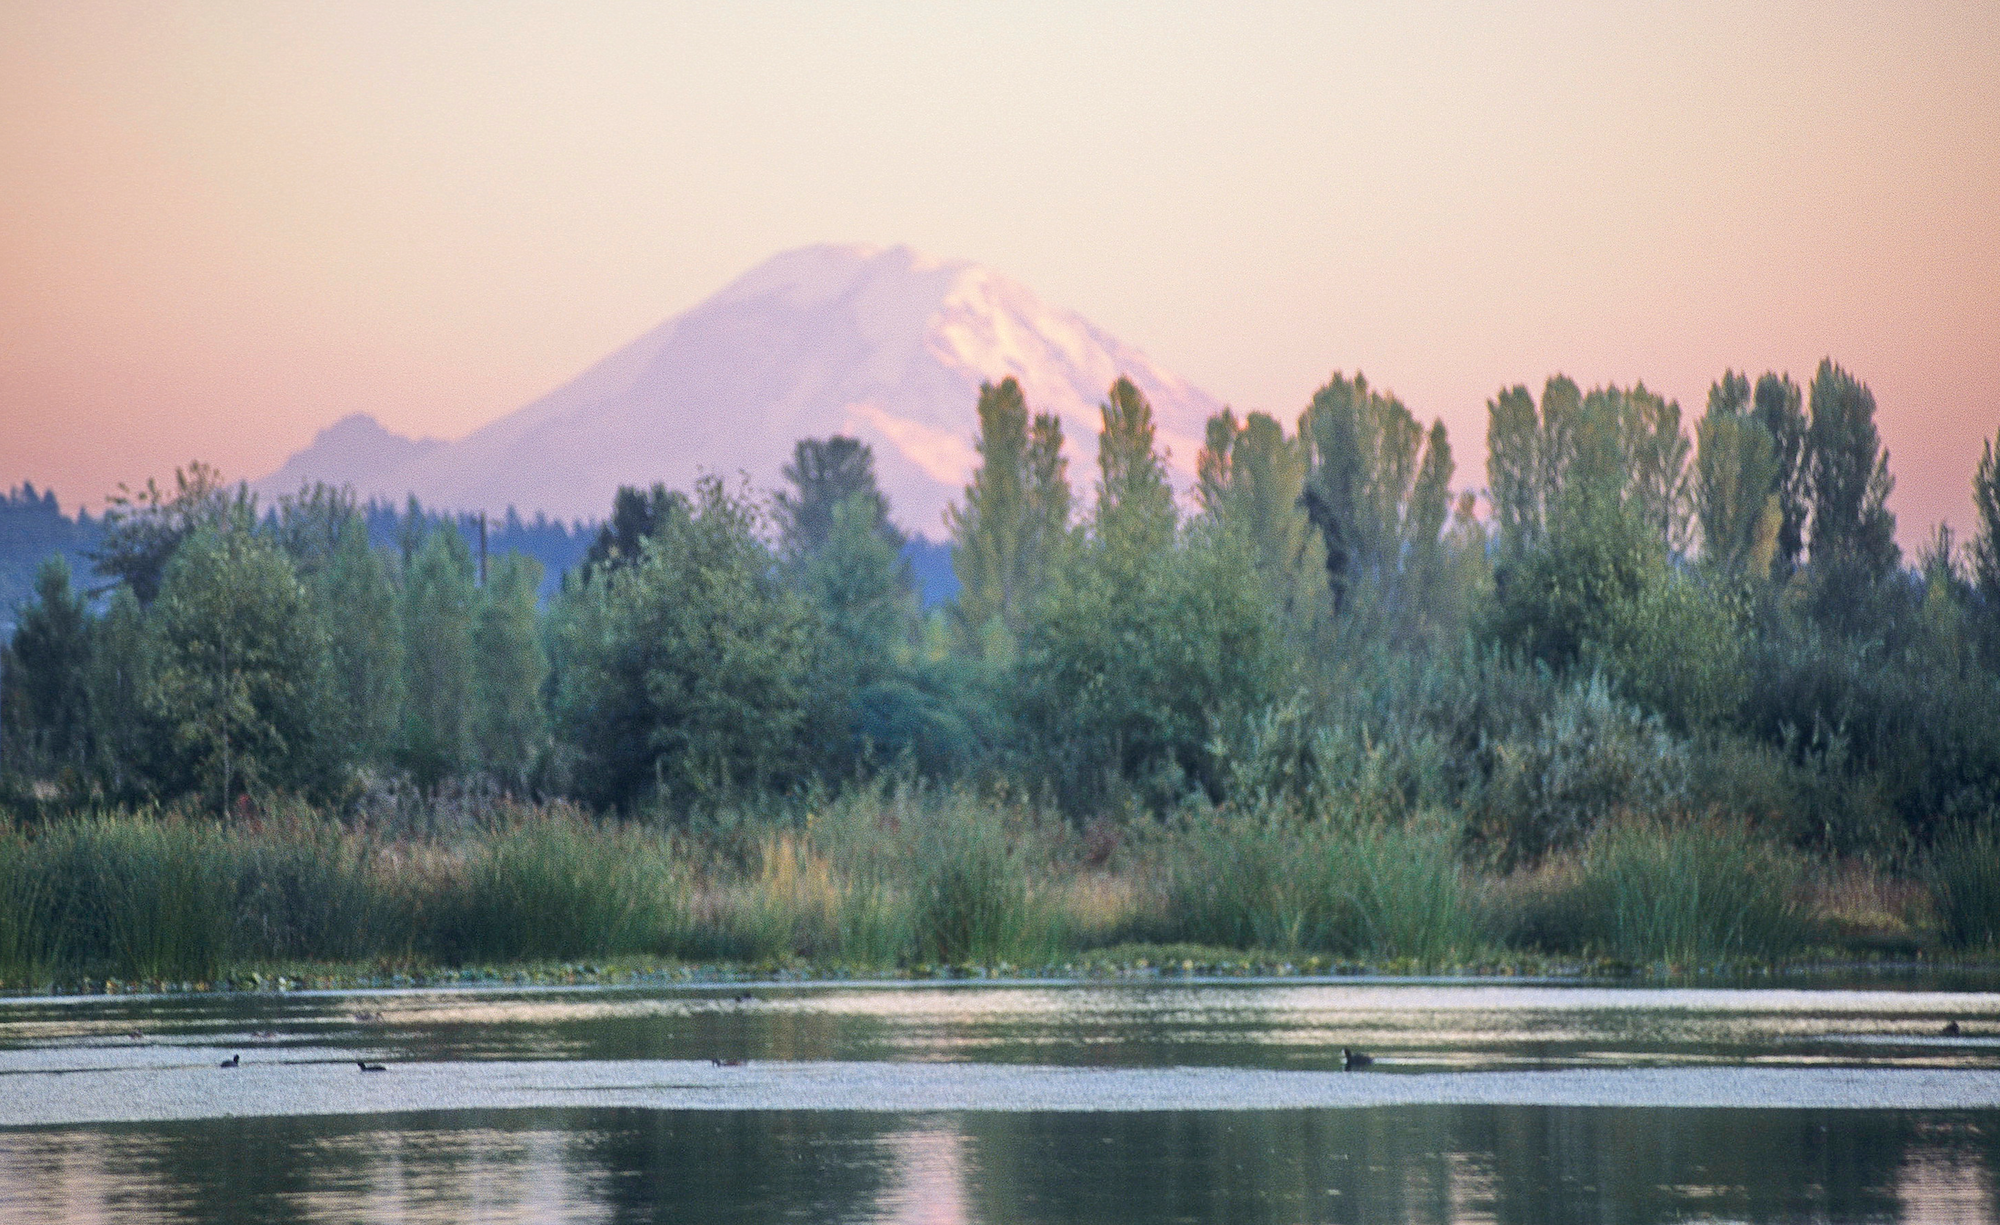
x: 978, y: 1102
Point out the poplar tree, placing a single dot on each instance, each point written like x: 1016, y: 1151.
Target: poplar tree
x: 1738, y: 503
x: 510, y: 666
x: 1985, y: 545
x: 1655, y: 454
x: 1249, y: 479
x: 1776, y: 404
x: 1362, y: 492
x: 1135, y: 504
x: 126, y: 738
x: 1853, y: 531
x: 1013, y: 525
x: 437, y: 616
x: 355, y: 597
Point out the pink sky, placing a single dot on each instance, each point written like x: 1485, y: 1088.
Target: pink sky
x: 224, y: 226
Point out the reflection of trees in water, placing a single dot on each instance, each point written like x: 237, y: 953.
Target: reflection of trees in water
x: 1421, y: 1164
x: 1505, y: 1164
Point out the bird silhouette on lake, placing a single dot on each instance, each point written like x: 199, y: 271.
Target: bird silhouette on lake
x: 1950, y: 1029
x: 231, y: 1062
x: 1350, y: 1060
x: 727, y: 1063
x: 366, y: 1066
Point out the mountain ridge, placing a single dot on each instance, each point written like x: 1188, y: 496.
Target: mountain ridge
x: 883, y: 344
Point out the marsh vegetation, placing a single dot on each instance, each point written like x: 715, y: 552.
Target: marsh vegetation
x: 1664, y: 700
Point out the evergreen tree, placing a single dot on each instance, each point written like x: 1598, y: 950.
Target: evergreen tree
x: 310, y: 525
x: 510, y: 666
x: 635, y: 513
x: 238, y: 672
x: 46, y: 702
x: 827, y: 473
x: 438, y: 682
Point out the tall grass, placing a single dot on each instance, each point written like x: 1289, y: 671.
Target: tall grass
x: 1963, y: 872
x: 891, y: 876
x: 1689, y: 893
x: 1274, y: 880
x: 556, y: 885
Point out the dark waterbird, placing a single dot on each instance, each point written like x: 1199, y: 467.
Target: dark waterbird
x: 727, y: 1063
x: 1950, y: 1029
x: 365, y: 1066
x: 231, y: 1062
x: 1350, y: 1060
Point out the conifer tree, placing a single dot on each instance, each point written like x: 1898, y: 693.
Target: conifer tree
x: 46, y: 702
x: 826, y: 473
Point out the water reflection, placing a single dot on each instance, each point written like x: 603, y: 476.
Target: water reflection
x: 1408, y: 1163
x: 1412, y: 1026
x: 1418, y: 1164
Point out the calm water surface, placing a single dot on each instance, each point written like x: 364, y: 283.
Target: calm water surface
x: 1635, y: 1162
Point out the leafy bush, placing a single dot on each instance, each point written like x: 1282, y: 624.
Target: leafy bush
x: 1592, y: 755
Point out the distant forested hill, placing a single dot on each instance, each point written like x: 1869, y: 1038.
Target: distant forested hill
x: 32, y: 526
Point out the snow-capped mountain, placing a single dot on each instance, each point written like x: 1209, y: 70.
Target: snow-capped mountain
x: 884, y: 345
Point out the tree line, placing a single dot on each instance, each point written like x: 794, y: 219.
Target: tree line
x: 1648, y: 618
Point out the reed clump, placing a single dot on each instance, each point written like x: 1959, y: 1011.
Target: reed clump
x: 1963, y: 872
x: 1277, y: 880
x: 1680, y: 893
x: 554, y: 885
x: 891, y: 877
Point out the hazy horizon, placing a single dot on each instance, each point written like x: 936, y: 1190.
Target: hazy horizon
x: 230, y: 226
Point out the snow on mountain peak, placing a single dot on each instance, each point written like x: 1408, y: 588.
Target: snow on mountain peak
x: 881, y: 343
